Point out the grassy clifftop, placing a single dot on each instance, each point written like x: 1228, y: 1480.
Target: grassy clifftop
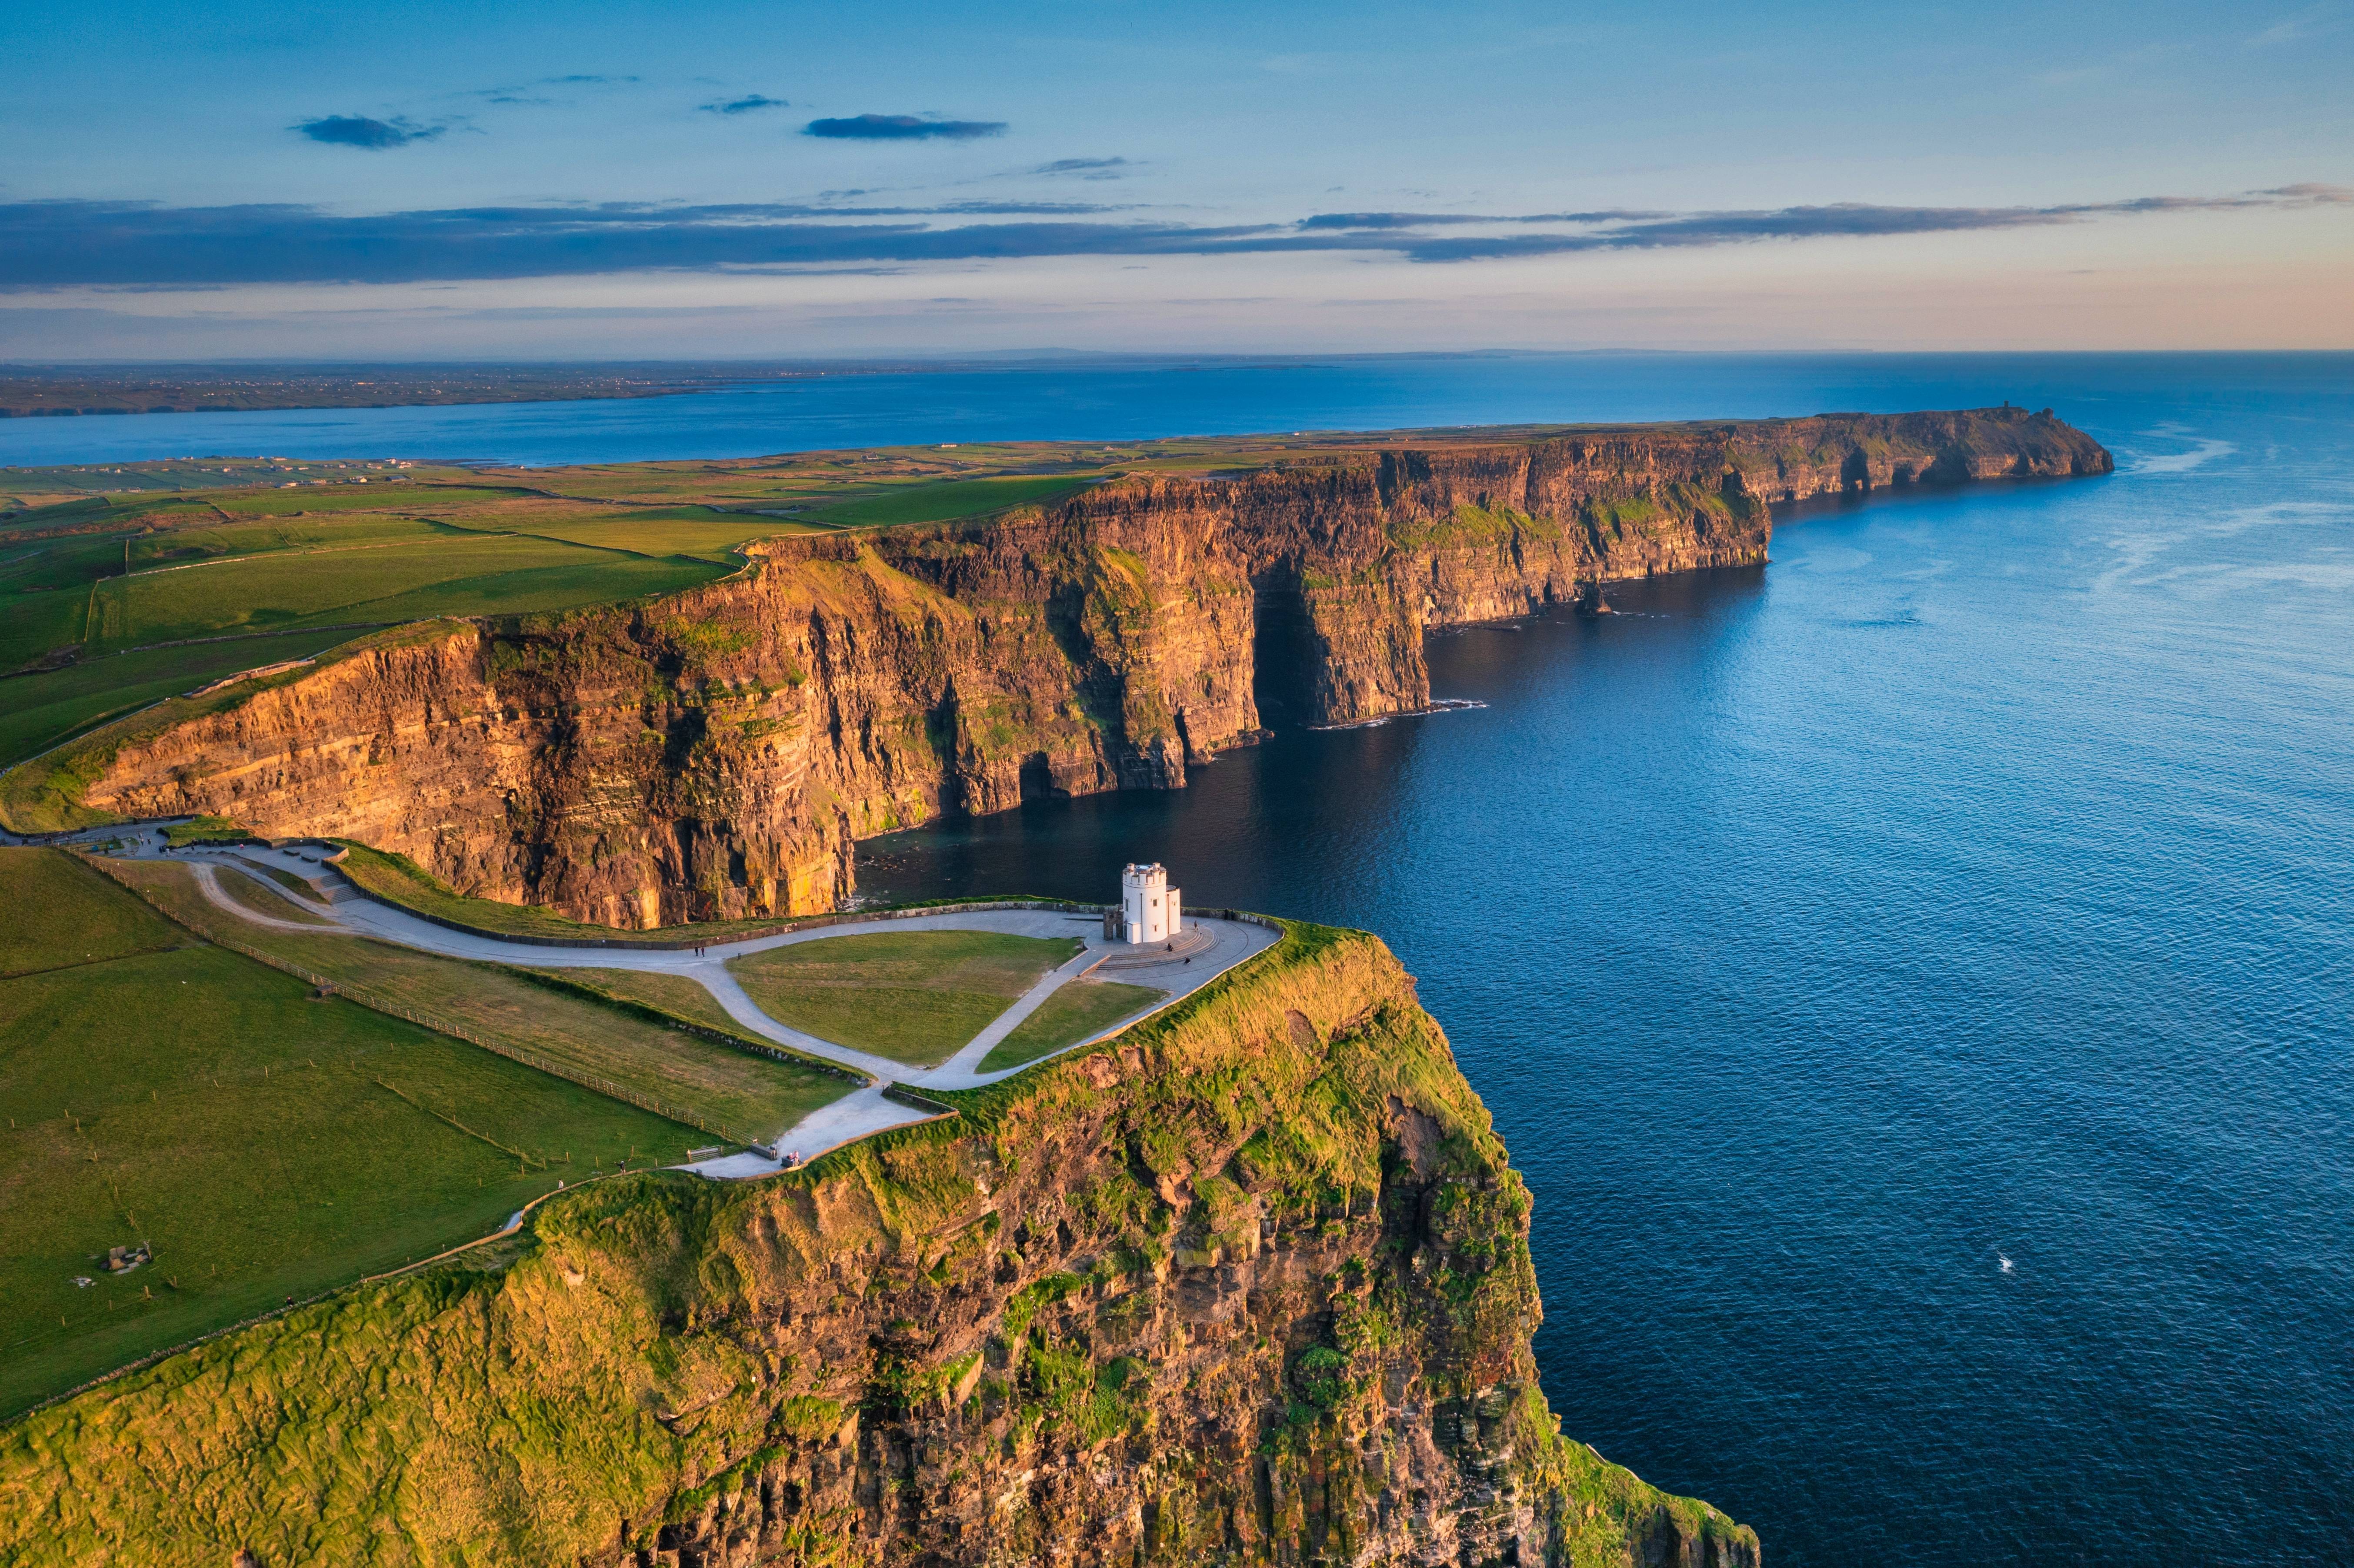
x: 1252, y: 1283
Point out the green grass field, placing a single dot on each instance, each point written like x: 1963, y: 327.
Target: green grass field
x: 701, y: 531
x: 36, y: 712
x: 912, y: 996
x: 940, y: 503
x: 737, y: 1092
x: 216, y: 541
x: 68, y: 915
x: 247, y: 890
x: 33, y: 623
x: 262, y: 1143
x: 1078, y: 1008
x: 456, y: 573
x: 375, y: 495
x: 673, y: 994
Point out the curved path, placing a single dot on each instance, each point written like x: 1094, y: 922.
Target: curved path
x: 857, y: 1114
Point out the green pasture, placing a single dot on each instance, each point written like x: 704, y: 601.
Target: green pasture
x: 249, y: 890
x: 674, y: 994
x: 940, y: 502
x: 33, y: 623
x: 912, y: 996
x: 262, y: 1143
x: 38, y: 711
x: 217, y: 539
x: 470, y: 574
x: 67, y: 915
x: 714, y: 1085
x: 372, y: 496
x: 1078, y: 1008
x: 63, y: 561
x: 699, y: 531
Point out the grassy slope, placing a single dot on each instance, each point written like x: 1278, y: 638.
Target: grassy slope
x: 673, y: 994
x: 913, y: 996
x: 940, y: 501
x: 166, y: 1091
x: 404, y: 580
x: 1075, y: 1012
x: 511, y: 1417
x: 36, y: 712
x: 250, y: 891
x: 718, y: 1087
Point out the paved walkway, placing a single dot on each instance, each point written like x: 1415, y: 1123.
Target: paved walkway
x: 855, y: 1115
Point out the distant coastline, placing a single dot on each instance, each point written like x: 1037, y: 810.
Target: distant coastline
x: 67, y: 391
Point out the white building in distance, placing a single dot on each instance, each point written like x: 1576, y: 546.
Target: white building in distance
x: 1148, y: 910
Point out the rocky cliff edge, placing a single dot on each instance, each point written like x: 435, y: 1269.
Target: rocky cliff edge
x: 716, y: 754
x: 1250, y: 1285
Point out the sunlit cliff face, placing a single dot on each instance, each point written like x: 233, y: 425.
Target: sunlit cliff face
x: 715, y: 754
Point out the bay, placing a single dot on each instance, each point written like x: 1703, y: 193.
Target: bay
x: 1915, y: 978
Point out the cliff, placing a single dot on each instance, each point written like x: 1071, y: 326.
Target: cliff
x: 715, y: 754
x: 1250, y: 1285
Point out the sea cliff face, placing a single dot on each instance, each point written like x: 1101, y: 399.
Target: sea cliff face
x: 1251, y: 1284
x: 717, y: 753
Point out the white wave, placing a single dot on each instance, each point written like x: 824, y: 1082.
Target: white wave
x: 2207, y: 450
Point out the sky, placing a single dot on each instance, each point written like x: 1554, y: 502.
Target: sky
x: 606, y: 181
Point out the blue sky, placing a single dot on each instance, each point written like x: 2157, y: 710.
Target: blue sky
x: 446, y: 180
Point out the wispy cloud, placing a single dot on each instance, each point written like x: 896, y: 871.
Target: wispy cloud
x: 530, y: 94
x: 2311, y: 22
x: 1627, y: 230
x: 56, y: 244
x: 748, y: 104
x: 1086, y: 168
x: 1410, y: 220
x: 902, y: 128
x: 359, y: 131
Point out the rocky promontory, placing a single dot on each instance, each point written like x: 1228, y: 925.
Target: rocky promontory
x: 715, y: 754
x: 1248, y: 1284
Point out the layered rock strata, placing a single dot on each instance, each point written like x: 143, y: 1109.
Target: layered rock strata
x: 1250, y: 1286
x: 716, y: 754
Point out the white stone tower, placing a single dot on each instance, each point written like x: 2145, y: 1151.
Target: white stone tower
x: 1149, y: 909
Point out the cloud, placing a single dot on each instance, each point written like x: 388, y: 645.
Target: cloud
x: 358, y: 130
x: 1086, y: 168
x: 1391, y: 220
x: 60, y: 244
x: 2311, y: 22
x: 747, y: 105
x: 902, y: 128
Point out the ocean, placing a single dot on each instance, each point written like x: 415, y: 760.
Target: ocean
x: 1915, y: 977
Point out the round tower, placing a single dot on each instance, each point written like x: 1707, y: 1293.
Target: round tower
x: 1149, y: 909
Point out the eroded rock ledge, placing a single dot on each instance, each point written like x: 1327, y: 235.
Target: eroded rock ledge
x: 715, y: 754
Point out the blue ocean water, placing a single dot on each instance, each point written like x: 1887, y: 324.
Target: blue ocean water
x: 1126, y: 400
x: 1916, y: 978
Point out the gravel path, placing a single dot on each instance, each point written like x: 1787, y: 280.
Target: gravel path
x: 854, y: 1116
